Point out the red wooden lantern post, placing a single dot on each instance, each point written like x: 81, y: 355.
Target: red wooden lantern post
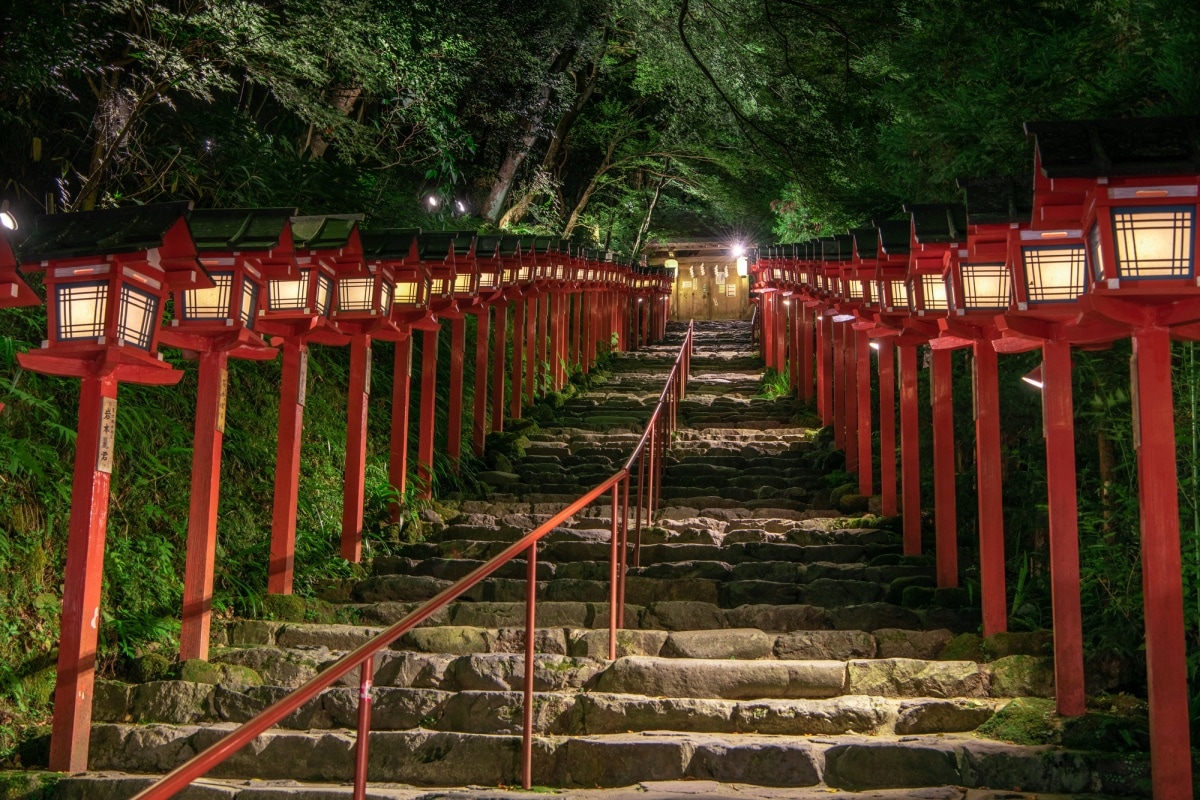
x: 465, y: 296
x: 240, y: 249
x: 805, y: 272
x: 14, y: 292
x: 891, y: 269
x: 1141, y: 179
x: 364, y: 311
x: 396, y: 250
x: 937, y: 230
x: 861, y: 284
x: 297, y: 313
x: 490, y: 265
x: 108, y: 274
x: 979, y: 286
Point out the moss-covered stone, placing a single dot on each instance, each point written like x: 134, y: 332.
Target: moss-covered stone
x: 838, y: 492
x: 951, y: 597
x: 1025, y: 720
x: 853, y: 503
x: 28, y: 785
x: 917, y: 597
x: 964, y: 647
x: 286, y: 607
x: 500, y: 463
x: 1019, y: 643
x: 151, y: 667
x: 895, y: 591
x: 198, y: 671
x: 1022, y: 676
x: 1096, y: 731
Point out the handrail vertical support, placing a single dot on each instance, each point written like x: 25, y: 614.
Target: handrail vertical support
x: 530, y: 630
x: 612, y: 582
x: 624, y: 548
x: 362, y: 744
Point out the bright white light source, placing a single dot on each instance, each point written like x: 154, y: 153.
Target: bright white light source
x: 462, y: 209
x: 1034, y: 378
x: 874, y: 345
x: 843, y: 317
x: 739, y: 250
x: 7, y: 220
x: 432, y: 200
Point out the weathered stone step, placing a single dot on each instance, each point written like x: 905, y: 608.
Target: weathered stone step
x: 455, y: 759
x: 302, y: 643
x: 562, y: 714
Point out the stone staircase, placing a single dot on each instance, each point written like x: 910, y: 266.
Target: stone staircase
x: 768, y: 648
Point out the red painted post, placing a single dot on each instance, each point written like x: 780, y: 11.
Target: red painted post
x: 499, y: 335
x: 202, y: 512
x: 794, y: 345
x: 514, y: 400
x: 401, y: 393
x: 356, y: 447
x: 825, y: 368
x: 838, y: 386
x: 990, y: 490
x: 767, y: 337
x: 850, y: 394
x: 1058, y: 414
x: 1158, y: 503
x: 543, y: 327
x: 806, y: 354
x: 781, y: 317
x: 887, y: 427
x: 910, y: 451
x: 362, y: 743
x: 945, y: 510
x: 293, y: 386
x: 88, y: 525
x: 531, y: 314
x: 458, y: 348
x: 576, y: 324
x: 866, y: 466
x: 530, y: 631
x: 429, y: 359
x: 479, y: 423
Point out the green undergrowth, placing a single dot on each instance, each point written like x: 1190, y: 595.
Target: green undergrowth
x: 148, y: 511
x: 775, y: 385
x: 1111, y: 723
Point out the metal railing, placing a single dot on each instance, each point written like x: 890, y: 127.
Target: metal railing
x: 648, y: 459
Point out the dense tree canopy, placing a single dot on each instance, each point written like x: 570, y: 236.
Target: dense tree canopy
x: 610, y: 120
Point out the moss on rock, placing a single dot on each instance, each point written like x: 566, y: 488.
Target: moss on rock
x: 1025, y: 720
x: 964, y: 647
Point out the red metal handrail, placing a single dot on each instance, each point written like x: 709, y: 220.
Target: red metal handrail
x: 650, y: 454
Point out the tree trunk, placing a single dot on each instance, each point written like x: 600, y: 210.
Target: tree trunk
x: 520, y: 208
x: 517, y: 153
x: 637, y: 244
x: 342, y: 98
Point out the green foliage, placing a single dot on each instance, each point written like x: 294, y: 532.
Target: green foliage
x: 774, y: 384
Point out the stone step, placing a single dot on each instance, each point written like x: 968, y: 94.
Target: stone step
x: 683, y: 615
x: 439, y: 758
x: 300, y: 639
x: 559, y: 714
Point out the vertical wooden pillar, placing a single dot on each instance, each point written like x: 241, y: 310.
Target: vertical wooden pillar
x: 514, y: 400
x: 72, y: 725
x: 866, y: 466
x: 499, y: 334
x: 588, y: 313
x: 293, y: 386
x: 479, y: 421
x: 989, y: 488
x: 543, y: 328
x: 887, y: 427
x: 839, y: 386
x: 945, y: 510
x: 806, y: 354
x: 781, y: 318
x: 796, y: 309
x: 765, y: 340
x: 825, y: 368
x: 1158, y: 502
x: 354, y: 475
x: 531, y: 313
x: 401, y: 393
x: 429, y: 359
x: 458, y: 352
x: 1058, y: 414
x: 910, y: 450
x: 576, y: 325
x: 850, y: 390
x: 202, y: 507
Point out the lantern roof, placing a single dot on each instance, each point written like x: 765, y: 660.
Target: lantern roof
x: 487, y: 246
x: 895, y: 235
x: 1092, y: 148
x: 938, y: 223
x: 866, y: 242
x: 388, y: 244
x: 226, y: 229
x: 324, y: 232
x: 462, y: 242
x: 437, y: 245
x: 564, y: 246
x: 996, y: 201
x: 510, y: 246
x: 128, y: 229
x: 829, y: 249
